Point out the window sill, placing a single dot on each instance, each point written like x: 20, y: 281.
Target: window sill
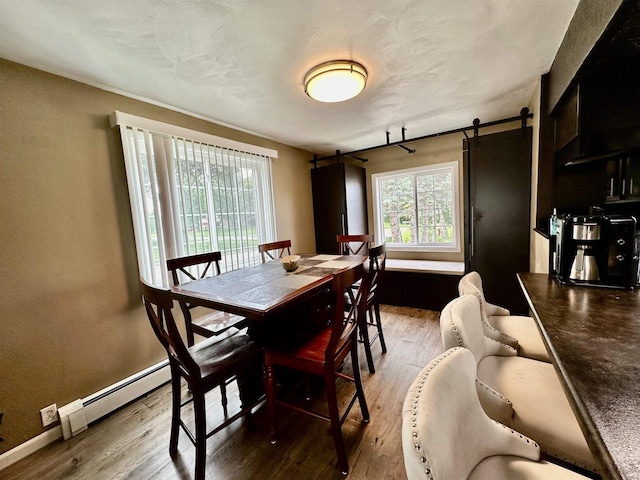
x: 425, y: 266
x: 429, y: 249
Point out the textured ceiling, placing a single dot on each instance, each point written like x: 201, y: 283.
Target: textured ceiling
x: 433, y: 65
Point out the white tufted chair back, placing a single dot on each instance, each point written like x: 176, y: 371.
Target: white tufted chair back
x: 461, y: 326
x: 471, y: 284
x: 445, y: 432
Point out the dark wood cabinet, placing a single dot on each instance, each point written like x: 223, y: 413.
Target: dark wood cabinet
x: 339, y: 204
x: 598, y: 117
x: 623, y: 179
x: 497, y: 208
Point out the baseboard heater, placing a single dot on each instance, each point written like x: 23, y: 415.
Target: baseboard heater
x: 77, y: 415
x: 115, y: 396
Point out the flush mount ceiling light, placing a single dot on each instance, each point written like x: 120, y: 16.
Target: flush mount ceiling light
x: 335, y: 81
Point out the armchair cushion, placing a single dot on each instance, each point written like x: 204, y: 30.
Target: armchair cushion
x: 530, y: 342
x: 540, y: 408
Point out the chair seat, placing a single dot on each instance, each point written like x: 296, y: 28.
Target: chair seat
x: 214, y: 322
x: 308, y: 356
x: 541, y: 409
x: 518, y: 468
x: 524, y: 329
x: 216, y: 357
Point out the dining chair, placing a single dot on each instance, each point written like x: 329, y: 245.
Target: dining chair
x: 205, y: 366
x: 518, y: 331
x: 540, y: 408
x: 274, y: 250
x: 214, y: 322
x: 446, y: 435
x: 354, y: 244
x: 377, y: 265
x: 323, y: 354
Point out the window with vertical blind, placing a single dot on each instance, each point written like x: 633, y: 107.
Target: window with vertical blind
x: 193, y: 193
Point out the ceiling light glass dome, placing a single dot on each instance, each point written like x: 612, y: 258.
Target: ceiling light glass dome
x: 335, y: 81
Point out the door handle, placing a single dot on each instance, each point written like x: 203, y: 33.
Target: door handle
x: 473, y: 227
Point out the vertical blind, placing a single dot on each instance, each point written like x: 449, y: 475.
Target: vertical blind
x: 189, y: 196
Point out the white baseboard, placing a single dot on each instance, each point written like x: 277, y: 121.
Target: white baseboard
x: 96, y: 406
x: 27, y: 448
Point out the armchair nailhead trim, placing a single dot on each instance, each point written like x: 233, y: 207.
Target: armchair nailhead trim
x: 414, y: 412
x: 519, y: 435
x: 493, y: 392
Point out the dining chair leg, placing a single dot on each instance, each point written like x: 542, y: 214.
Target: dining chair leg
x: 364, y: 333
x: 355, y: 362
x: 271, y: 407
x: 376, y: 307
x: 334, y: 415
x: 223, y: 394
x: 200, y: 421
x: 175, y: 413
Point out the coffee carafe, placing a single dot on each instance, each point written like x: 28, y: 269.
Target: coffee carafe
x: 585, y: 234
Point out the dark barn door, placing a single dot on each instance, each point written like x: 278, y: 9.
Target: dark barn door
x: 497, y: 205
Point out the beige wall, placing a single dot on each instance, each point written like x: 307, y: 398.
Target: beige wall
x: 70, y: 316
x: 539, y: 245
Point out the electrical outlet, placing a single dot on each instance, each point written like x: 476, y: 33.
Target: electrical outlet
x: 49, y: 415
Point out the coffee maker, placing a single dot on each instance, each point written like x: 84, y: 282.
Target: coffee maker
x: 595, y: 250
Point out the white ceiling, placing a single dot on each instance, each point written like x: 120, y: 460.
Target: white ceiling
x: 433, y: 65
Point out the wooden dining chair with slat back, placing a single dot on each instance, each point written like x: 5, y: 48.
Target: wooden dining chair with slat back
x: 323, y: 355
x: 354, y: 244
x: 274, y: 250
x: 205, y: 366
x: 213, y: 323
x: 377, y: 265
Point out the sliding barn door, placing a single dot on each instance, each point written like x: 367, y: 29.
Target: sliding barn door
x: 497, y: 206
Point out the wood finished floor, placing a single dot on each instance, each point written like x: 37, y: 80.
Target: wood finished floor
x: 133, y: 443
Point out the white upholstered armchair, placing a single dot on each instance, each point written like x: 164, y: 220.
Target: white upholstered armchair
x: 447, y: 436
x: 540, y: 408
x: 516, y: 330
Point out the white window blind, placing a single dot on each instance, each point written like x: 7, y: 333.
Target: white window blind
x: 189, y: 195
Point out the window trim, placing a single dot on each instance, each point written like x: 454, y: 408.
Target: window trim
x: 453, y: 166
x: 118, y: 118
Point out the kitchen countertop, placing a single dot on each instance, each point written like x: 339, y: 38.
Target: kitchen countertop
x: 593, y: 337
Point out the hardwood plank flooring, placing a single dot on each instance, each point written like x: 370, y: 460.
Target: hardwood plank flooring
x: 133, y: 443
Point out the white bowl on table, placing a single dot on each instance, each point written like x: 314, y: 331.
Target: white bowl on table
x: 290, y: 262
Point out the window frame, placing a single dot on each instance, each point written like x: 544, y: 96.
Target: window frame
x: 152, y: 153
x: 378, y: 223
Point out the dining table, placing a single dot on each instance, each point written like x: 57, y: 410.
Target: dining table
x: 593, y: 338
x: 264, y: 291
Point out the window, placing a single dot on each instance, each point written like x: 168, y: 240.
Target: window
x: 417, y: 209
x: 193, y: 193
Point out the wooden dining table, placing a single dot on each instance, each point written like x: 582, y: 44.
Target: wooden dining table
x: 264, y: 291
x: 593, y: 338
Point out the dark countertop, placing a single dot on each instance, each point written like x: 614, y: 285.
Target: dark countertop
x: 593, y: 336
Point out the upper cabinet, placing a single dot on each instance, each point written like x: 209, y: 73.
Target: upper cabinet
x: 623, y: 179
x: 599, y: 117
